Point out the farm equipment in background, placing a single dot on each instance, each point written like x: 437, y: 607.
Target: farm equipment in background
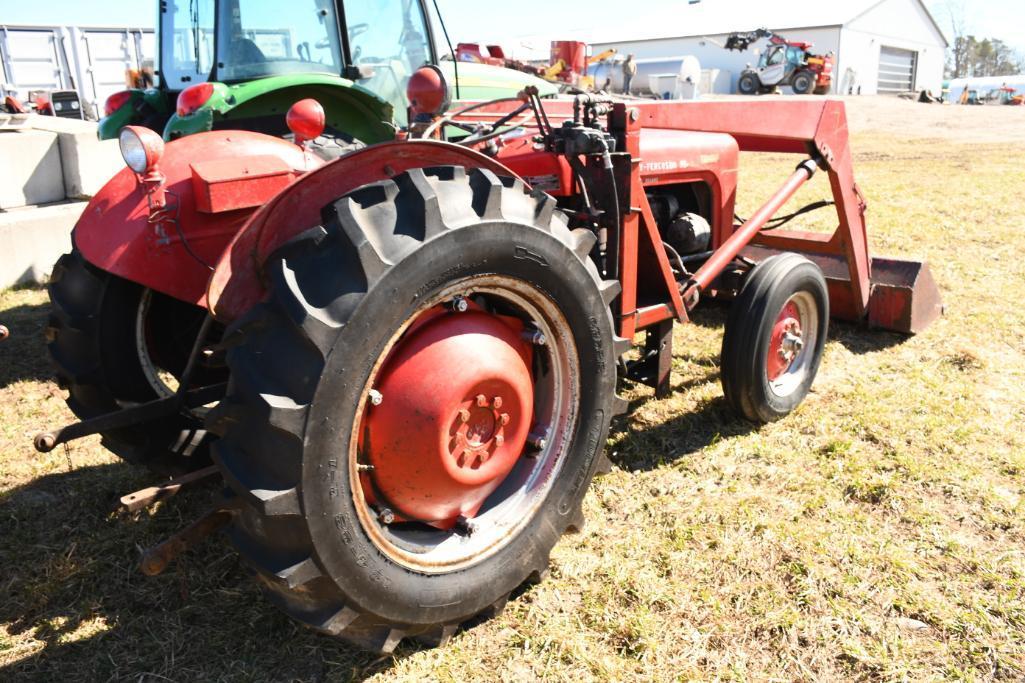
x: 570, y: 64
x: 1009, y: 96
x: 63, y: 103
x: 783, y: 63
x: 404, y: 361
x: 354, y: 57
x: 494, y: 55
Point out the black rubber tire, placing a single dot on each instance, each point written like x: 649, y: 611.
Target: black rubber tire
x: 803, y: 82
x: 91, y: 340
x: 744, y: 372
x: 299, y: 362
x: 749, y: 83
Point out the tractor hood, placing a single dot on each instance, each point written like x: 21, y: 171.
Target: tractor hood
x: 261, y: 105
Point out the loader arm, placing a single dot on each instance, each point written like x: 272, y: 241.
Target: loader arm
x: 818, y: 129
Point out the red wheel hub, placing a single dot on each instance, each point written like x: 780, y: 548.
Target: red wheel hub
x: 786, y: 341
x: 457, y: 401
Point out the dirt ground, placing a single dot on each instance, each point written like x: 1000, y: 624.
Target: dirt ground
x: 876, y: 534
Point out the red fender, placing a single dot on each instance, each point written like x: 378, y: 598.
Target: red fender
x: 116, y: 235
x: 237, y: 284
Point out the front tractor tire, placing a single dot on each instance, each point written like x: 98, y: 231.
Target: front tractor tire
x: 749, y: 83
x: 115, y: 344
x: 774, y: 338
x: 417, y: 409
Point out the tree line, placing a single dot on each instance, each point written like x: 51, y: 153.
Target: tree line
x: 972, y: 57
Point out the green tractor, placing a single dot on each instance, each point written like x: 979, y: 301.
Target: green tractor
x: 240, y: 64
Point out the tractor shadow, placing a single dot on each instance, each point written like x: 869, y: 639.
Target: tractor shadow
x: 22, y: 355
x: 642, y: 447
x: 76, y: 607
x: 857, y: 338
x: 638, y: 446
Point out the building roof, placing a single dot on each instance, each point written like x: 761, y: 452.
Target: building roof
x: 717, y: 17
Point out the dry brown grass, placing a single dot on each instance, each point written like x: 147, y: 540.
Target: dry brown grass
x: 877, y: 534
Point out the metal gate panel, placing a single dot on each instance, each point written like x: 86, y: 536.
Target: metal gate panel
x: 109, y: 55
x: 34, y: 60
x: 896, y: 70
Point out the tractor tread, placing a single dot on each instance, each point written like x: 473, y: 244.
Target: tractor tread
x: 270, y: 391
x: 82, y: 296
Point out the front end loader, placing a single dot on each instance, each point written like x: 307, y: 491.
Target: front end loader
x: 403, y: 363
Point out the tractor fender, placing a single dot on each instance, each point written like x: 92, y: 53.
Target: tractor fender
x: 237, y: 282
x: 141, y: 107
x: 175, y: 255
x: 261, y: 105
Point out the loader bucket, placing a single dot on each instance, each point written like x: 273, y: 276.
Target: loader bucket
x: 904, y: 296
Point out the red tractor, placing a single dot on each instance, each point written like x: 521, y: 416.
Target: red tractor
x: 404, y: 361
x: 784, y: 62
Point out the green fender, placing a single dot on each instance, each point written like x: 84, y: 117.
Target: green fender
x: 128, y: 114
x: 348, y: 106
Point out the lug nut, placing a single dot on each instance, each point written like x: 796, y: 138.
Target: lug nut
x: 376, y: 397
x: 538, y: 439
x: 499, y: 439
x: 535, y: 337
x: 460, y: 304
x: 464, y: 415
x: 504, y: 418
x: 386, y: 516
x: 496, y: 402
x: 482, y: 401
x: 465, y: 526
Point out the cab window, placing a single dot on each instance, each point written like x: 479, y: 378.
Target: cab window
x: 187, y: 42
x: 389, y: 40
x: 257, y: 38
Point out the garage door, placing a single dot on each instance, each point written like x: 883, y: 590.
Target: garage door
x: 896, y: 69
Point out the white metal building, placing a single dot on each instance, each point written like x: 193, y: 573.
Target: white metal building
x: 881, y: 46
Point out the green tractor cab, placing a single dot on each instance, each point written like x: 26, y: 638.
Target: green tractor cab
x: 240, y: 64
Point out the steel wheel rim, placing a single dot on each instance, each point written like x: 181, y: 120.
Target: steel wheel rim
x: 149, y: 367
x: 518, y: 499
x: 799, y: 368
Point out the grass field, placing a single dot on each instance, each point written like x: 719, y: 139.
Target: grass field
x: 876, y: 534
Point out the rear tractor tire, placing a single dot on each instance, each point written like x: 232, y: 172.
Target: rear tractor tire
x: 115, y: 344
x: 415, y: 412
x: 803, y: 82
x: 774, y: 338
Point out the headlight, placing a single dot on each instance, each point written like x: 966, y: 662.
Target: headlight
x: 141, y: 148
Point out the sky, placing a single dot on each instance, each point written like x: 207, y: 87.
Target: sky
x: 469, y: 19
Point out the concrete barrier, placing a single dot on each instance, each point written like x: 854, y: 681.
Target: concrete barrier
x: 46, y: 161
x: 87, y: 162
x: 32, y: 172
x: 32, y: 239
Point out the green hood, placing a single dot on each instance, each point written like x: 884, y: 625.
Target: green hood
x: 486, y: 82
